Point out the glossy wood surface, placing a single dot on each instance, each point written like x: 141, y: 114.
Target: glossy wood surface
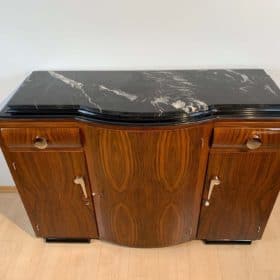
x: 56, y: 206
x: 240, y: 206
x: 56, y: 137
x: 236, y: 137
x: 148, y: 183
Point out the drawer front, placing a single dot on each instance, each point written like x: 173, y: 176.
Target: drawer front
x: 246, y: 138
x: 41, y: 138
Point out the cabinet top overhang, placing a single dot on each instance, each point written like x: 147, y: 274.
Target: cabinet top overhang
x: 146, y: 96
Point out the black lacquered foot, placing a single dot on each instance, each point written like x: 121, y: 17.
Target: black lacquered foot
x: 67, y: 240
x: 228, y: 242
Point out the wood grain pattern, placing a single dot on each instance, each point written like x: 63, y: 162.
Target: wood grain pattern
x: 148, y: 180
x: 166, y: 153
x: 57, y: 137
x: 247, y: 123
x: 118, y: 177
x: 241, y: 204
x: 236, y: 137
x: 170, y: 219
x: 158, y: 197
x: 55, y: 205
x: 123, y: 224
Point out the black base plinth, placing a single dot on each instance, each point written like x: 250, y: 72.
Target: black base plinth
x: 67, y: 240
x: 227, y: 242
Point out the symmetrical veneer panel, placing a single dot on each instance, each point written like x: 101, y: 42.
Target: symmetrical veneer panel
x: 147, y: 182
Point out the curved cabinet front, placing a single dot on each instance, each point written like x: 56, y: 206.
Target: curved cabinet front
x: 147, y: 182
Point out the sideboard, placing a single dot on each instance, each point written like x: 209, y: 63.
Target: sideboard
x: 145, y: 158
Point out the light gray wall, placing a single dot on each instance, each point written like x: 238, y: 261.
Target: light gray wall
x: 126, y: 34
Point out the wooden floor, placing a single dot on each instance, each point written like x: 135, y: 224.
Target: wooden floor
x: 22, y: 256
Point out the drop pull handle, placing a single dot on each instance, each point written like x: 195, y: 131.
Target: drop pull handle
x: 214, y: 182
x: 80, y: 181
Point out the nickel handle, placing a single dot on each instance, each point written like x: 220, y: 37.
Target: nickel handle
x: 214, y: 182
x: 80, y: 181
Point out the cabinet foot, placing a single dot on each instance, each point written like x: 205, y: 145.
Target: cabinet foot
x: 67, y: 240
x: 228, y: 242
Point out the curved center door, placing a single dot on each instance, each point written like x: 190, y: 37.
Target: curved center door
x: 147, y: 182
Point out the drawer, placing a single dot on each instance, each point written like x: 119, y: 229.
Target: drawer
x: 41, y: 138
x: 246, y: 138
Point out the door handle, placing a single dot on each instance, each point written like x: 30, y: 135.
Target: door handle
x: 80, y: 181
x: 214, y: 182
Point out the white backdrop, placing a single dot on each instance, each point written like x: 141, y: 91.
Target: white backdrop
x: 127, y: 34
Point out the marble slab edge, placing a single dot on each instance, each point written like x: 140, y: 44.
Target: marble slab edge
x: 238, y: 111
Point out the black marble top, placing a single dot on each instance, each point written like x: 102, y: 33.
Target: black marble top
x: 146, y: 96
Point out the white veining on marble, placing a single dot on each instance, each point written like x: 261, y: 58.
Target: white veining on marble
x: 179, y: 104
x: 157, y: 101
x: 229, y: 76
x: 161, y: 99
x: 160, y: 92
x: 244, y: 89
x: 118, y: 92
x: 70, y: 82
x: 268, y: 88
x: 182, y: 80
x: 189, y: 107
x: 202, y: 105
x: 244, y: 77
x: 74, y: 84
x: 172, y: 88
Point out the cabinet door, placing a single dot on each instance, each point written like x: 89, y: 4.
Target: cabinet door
x: 148, y: 183
x: 240, y: 205
x: 57, y: 207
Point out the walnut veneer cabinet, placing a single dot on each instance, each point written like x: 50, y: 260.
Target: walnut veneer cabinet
x: 145, y: 159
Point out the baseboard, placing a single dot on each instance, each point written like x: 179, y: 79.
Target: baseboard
x: 8, y: 189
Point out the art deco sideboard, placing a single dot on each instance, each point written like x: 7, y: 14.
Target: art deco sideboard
x: 145, y: 158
